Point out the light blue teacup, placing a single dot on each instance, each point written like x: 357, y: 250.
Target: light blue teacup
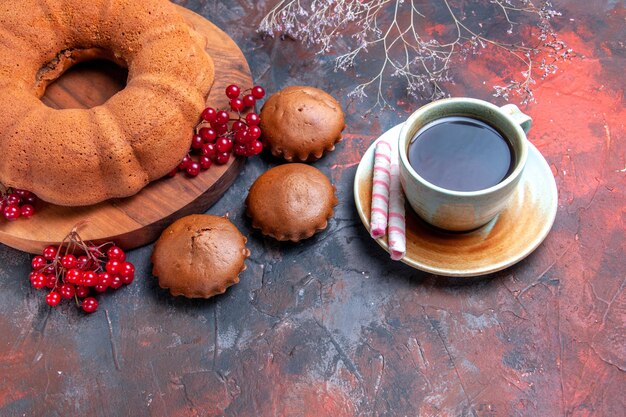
x: 460, y: 211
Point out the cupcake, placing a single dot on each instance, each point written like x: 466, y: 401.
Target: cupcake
x: 291, y: 202
x: 199, y: 256
x: 301, y: 123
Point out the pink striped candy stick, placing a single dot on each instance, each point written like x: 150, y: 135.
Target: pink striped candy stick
x: 380, y: 189
x: 397, y: 225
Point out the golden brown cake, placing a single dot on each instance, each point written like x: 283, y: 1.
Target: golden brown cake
x: 84, y: 156
x: 199, y: 256
x: 291, y: 202
x: 301, y: 123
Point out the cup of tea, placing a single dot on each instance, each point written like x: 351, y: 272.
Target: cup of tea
x: 461, y: 160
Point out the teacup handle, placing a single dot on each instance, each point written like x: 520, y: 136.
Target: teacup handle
x: 518, y: 117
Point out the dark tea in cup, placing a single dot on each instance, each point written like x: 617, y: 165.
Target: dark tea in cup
x: 461, y: 159
x: 461, y: 154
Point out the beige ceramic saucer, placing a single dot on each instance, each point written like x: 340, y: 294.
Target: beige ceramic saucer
x: 504, y: 241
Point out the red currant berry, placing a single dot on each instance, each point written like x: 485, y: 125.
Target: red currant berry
x: 50, y: 252
x: 222, y: 158
x: 81, y: 291
x: 193, y: 170
x: 38, y: 262
x: 238, y: 125
x: 21, y: 193
x: 224, y: 145
x: 128, y: 279
x: 255, y: 148
x: 221, y: 128
x: 208, y: 134
x: 37, y: 280
x: 27, y: 211
x: 209, y: 114
x: 240, y: 149
x: 53, y: 299
x: 49, y: 269
x: 232, y: 91
x: 241, y: 136
x: 51, y: 280
x: 116, y: 282
x: 205, y: 162
x: 127, y: 270
x: 197, y: 142
x: 116, y: 253
x: 249, y: 100
x: 258, y: 92
x: 222, y: 117
x: 13, y: 199
x: 74, y: 276
x: 90, y: 278
x: 68, y: 261
x: 30, y: 199
x: 100, y: 288
x: 184, y: 163
x: 67, y: 290
x: 209, y: 150
x: 12, y: 212
x: 3, y: 205
x: 89, y: 305
x: 82, y: 262
x: 104, y: 278
x: 113, y: 267
x: 253, y: 119
x: 254, y: 132
x: 236, y: 104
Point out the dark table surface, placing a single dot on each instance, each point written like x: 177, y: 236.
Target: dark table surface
x: 331, y: 326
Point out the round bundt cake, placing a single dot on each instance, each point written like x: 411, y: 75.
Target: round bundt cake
x: 78, y: 157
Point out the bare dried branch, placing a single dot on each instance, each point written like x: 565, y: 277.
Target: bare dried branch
x: 423, y: 59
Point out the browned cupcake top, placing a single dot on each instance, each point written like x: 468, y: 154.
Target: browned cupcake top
x: 291, y: 202
x: 199, y: 256
x: 301, y: 123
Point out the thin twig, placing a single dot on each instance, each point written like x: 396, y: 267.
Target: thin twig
x: 423, y: 59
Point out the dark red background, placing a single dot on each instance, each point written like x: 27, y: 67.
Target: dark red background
x: 331, y: 326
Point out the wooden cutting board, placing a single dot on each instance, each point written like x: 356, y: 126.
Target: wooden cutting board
x: 138, y: 220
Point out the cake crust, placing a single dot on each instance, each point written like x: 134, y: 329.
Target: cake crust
x: 76, y: 157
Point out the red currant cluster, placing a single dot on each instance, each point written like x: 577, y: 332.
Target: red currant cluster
x: 216, y: 138
x: 16, y: 203
x: 69, y: 276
